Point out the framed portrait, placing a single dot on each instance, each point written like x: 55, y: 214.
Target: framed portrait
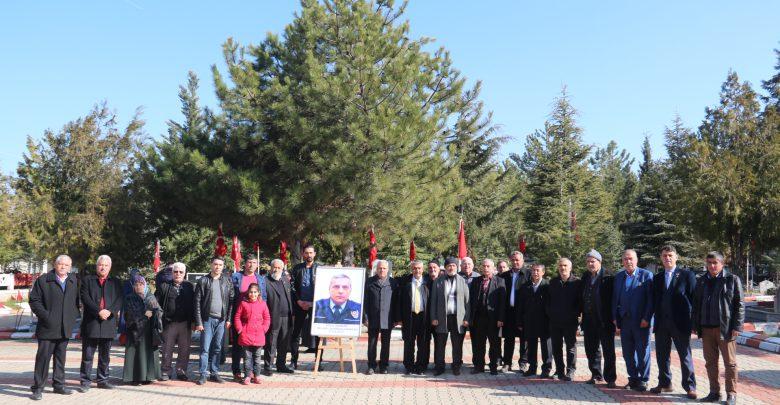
x: 338, y: 301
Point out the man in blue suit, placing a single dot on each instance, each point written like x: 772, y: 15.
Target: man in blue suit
x: 673, y: 290
x: 338, y: 309
x: 632, y: 309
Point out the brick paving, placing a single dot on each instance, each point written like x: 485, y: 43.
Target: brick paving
x: 759, y: 383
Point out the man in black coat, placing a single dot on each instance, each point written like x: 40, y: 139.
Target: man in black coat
x: 598, y: 327
x: 54, y: 299
x: 488, y: 300
x: 102, y: 297
x: 280, y: 306
x: 411, y: 311
x: 302, y: 279
x: 564, y: 311
x: 378, y: 310
x: 514, y: 279
x: 177, y: 300
x: 673, y: 290
x: 533, y: 322
x: 434, y: 270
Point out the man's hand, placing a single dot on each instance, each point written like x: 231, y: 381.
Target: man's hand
x: 466, y: 323
x: 104, y: 314
x: 435, y: 322
x: 398, y: 324
x: 227, y: 325
x: 644, y: 324
x: 148, y: 314
x: 734, y: 334
x: 500, y: 324
x: 199, y: 328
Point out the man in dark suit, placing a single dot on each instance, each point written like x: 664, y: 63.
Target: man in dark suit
x: 488, y: 300
x: 533, y: 322
x: 302, y: 279
x: 514, y: 279
x: 673, y: 290
x: 632, y: 308
x: 564, y: 310
x: 101, y: 295
x: 411, y: 310
x: 598, y: 327
x: 338, y: 309
x: 54, y: 299
x: 378, y: 299
x: 434, y: 270
x: 280, y: 306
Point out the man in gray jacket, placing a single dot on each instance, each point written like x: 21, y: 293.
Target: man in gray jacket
x: 450, y: 314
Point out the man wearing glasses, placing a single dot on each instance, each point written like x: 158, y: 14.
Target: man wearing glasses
x: 177, y: 301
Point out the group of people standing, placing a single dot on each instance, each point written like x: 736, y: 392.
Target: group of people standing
x: 267, y: 316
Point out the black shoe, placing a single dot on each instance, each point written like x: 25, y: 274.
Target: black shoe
x: 437, y: 372
x: 476, y: 370
x: 217, y: 379
x: 712, y: 397
x: 456, y: 371
x: 407, y: 371
x: 611, y: 385
x: 201, y: 380
x: 311, y: 351
x: 370, y: 371
x: 493, y: 371
x: 546, y: 376
x: 105, y: 386
x: 267, y: 372
x: 530, y: 373
x: 382, y: 370
x: 164, y: 377
x: 630, y: 386
x: 294, y: 364
x: 523, y: 367
x: 284, y: 370
x: 566, y: 378
x: 83, y: 389
x: 182, y: 377
x: 731, y: 399
x: 640, y: 387
x: 62, y: 391
x: 36, y: 396
x: 506, y: 368
x: 419, y: 371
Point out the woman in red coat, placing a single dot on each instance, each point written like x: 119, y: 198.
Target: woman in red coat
x: 251, y: 322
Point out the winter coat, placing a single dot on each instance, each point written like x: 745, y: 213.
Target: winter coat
x: 252, y: 321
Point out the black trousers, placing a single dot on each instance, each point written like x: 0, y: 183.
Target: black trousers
x: 534, y: 341
x: 456, y: 338
x: 425, y: 355
x: 665, y: 334
x: 416, y: 337
x: 277, y: 343
x: 301, y: 319
x: 237, y: 352
x: 88, y: 347
x: 46, y: 349
x: 568, y: 334
x: 511, y: 334
x: 598, y: 339
x: 483, y: 331
x: 384, y: 354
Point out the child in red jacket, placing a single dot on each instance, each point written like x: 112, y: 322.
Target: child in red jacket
x: 251, y: 322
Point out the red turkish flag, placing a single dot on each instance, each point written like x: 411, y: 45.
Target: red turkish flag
x: 372, y: 251
x: 462, y: 249
x: 221, y: 249
x: 412, y: 251
x: 522, y: 245
x: 156, y: 262
x: 283, y: 252
x: 235, y: 253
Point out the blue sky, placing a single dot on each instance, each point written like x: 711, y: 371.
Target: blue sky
x: 629, y: 67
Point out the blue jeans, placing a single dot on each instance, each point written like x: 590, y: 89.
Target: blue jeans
x: 211, y: 345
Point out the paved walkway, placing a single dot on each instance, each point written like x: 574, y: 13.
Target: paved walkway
x: 759, y: 383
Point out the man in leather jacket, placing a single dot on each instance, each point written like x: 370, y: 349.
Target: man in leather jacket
x: 214, y: 297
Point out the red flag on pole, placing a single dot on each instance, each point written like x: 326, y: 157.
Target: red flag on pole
x: 522, y: 245
x: 412, y: 251
x: 235, y: 253
x: 256, y: 248
x: 156, y: 262
x: 221, y: 249
x: 283, y: 252
x: 19, y: 296
x: 462, y: 250
x: 372, y: 250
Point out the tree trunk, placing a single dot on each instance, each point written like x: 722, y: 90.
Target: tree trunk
x: 348, y: 254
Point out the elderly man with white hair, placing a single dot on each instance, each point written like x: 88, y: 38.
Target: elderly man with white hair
x: 279, y: 301
x: 176, y: 298
x: 467, y: 270
x: 101, y: 296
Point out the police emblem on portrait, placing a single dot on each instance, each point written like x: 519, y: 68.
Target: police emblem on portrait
x: 338, y: 301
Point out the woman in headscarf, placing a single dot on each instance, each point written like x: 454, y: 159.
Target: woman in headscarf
x: 143, y: 318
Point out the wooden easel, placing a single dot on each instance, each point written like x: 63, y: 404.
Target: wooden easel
x: 340, y: 343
